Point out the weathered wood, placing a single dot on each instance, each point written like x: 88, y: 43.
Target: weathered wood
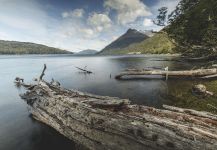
x: 42, y: 74
x: 18, y: 80
x: 204, y: 58
x: 198, y: 73
x: 100, y: 122
x: 84, y: 70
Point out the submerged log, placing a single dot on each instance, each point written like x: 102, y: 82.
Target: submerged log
x: 198, y: 73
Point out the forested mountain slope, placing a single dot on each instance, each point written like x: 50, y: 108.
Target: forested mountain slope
x: 14, y: 47
x: 190, y: 29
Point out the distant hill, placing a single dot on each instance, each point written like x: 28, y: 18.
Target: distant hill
x: 130, y: 37
x: 87, y: 52
x: 14, y: 47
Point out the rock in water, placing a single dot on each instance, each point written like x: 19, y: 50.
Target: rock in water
x: 200, y: 89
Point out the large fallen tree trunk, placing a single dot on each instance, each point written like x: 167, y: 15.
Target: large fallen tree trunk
x: 100, y: 122
x: 199, y: 73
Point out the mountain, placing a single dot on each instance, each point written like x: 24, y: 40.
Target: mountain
x: 14, y: 47
x: 87, y: 52
x: 192, y: 33
x: 130, y: 37
x: 160, y: 43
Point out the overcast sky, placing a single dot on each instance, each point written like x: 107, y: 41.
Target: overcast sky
x: 76, y: 24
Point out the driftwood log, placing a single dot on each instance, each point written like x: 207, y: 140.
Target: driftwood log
x: 101, y: 122
x: 84, y: 70
x: 198, y: 73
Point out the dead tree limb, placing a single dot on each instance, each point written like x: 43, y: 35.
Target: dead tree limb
x: 101, y: 122
x: 198, y: 73
x: 42, y: 74
x: 84, y: 70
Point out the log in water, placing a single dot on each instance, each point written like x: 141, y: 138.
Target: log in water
x: 100, y: 122
x: 198, y: 73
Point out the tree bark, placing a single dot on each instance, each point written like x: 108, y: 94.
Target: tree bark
x: 101, y: 122
x: 199, y: 73
x: 42, y: 74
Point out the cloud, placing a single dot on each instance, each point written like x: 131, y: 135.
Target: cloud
x: 28, y: 20
x: 148, y: 22
x: 127, y: 10
x: 77, y: 13
x: 86, y: 32
x: 20, y: 14
x: 99, y: 21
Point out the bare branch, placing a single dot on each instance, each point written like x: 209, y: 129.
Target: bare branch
x: 42, y: 74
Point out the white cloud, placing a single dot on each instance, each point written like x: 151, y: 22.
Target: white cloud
x: 20, y: 14
x: 127, y: 10
x: 99, y: 21
x: 148, y: 22
x: 78, y: 13
x: 86, y: 32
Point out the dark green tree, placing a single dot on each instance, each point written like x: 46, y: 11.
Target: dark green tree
x: 182, y: 7
x: 162, y: 17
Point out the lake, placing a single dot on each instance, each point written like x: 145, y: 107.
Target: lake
x: 18, y: 131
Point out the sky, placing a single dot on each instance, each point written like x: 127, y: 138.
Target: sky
x: 76, y: 25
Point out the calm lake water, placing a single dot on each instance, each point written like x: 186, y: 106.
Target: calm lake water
x: 18, y: 131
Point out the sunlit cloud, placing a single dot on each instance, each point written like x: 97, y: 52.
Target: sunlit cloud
x: 99, y: 21
x: 148, y: 22
x: 127, y: 10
